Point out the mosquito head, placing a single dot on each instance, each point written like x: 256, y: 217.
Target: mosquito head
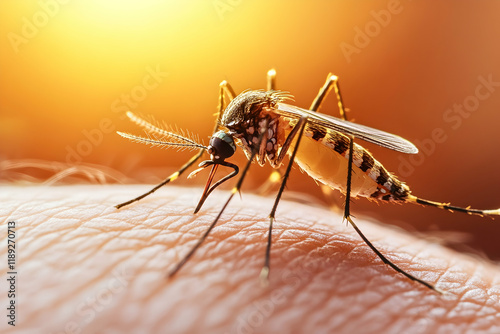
x: 221, y: 146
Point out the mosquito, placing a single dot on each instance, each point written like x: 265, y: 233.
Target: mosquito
x: 268, y: 129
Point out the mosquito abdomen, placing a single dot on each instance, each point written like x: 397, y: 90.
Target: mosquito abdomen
x: 324, y: 156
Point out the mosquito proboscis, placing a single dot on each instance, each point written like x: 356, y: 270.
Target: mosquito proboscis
x: 268, y: 129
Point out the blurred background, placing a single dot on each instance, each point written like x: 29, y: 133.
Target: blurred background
x: 427, y: 71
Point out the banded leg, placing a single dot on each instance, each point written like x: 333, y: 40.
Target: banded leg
x: 276, y: 175
x: 332, y: 81
x: 347, y: 210
x: 297, y: 131
x: 452, y: 208
x: 224, y: 88
x: 271, y: 79
x: 164, y: 182
x: 347, y: 216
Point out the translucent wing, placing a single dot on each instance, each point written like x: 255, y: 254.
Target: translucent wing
x: 371, y: 135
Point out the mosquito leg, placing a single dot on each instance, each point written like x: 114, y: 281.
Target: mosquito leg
x: 271, y: 79
x: 347, y: 216
x: 297, y: 131
x: 276, y: 175
x: 447, y: 206
x: 224, y: 88
x: 387, y: 261
x: 332, y: 81
x: 235, y: 190
x: 167, y: 180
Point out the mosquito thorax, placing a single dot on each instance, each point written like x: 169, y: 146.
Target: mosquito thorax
x: 250, y: 104
x: 242, y: 106
x: 221, y: 146
x: 251, y: 114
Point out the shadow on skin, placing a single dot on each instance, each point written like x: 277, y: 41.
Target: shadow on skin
x: 87, y: 267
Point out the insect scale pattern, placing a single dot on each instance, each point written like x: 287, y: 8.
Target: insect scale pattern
x: 268, y: 129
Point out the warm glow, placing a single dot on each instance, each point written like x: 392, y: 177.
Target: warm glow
x: 71, y: 69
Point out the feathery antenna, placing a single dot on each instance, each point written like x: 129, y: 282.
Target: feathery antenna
x: 162, y: 137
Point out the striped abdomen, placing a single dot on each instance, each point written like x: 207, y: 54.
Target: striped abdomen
x: 323, y: 154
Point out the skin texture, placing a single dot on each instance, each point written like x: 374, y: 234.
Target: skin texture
x: 86, y: 267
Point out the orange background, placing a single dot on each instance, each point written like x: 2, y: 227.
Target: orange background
x: 67, y: 70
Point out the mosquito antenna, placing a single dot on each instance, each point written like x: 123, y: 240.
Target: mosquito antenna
x: 185, y: 142
x: 168, y: 139
x: 177, y: 136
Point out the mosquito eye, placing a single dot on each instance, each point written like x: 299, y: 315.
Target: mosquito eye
x: 221, y: 145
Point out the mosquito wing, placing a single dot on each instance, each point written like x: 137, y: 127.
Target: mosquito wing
x: 371, y: 135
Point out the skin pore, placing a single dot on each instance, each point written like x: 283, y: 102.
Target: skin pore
x: 87, y: 267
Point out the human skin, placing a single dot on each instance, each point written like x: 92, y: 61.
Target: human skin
x: 85, y: 267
